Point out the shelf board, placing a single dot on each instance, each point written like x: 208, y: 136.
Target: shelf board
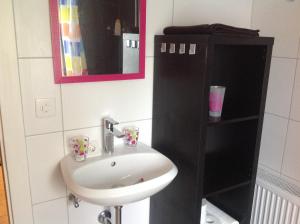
x: 229, y: 188
x: 232, y: 120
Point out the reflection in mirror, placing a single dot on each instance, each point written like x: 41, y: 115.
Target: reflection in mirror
x: 98, y: 37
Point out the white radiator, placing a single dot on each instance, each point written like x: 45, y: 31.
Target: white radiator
x: 275, y: 200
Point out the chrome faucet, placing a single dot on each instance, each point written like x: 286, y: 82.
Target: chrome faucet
x: 109, y: 132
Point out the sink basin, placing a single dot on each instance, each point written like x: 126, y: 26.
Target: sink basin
x: 128, y: 175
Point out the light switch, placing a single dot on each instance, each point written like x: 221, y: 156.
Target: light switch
x: 45, y: 107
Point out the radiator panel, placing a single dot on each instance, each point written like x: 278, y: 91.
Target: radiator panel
x: 275, y: 201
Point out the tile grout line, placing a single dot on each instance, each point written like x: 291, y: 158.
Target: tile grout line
x: 285, y: 145
x: 251, y: 15
x: 289, y: 121
x: 291, y: 179
x: 173, y: 12
x: 82, y: 128
x: 64, y: 145
x: 62, y: 114
x: 276, y: 115
x: 44, y: 133
x: 271, y: 170
x: 22, y: 105
x: 35, y: 57
x: 294, y: 81
x: 98, y: 126
x: 280, y: 116
x: 280, y: 57
x: 51, y: 200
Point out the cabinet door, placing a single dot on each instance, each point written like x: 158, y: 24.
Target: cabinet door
x: 177, y: 114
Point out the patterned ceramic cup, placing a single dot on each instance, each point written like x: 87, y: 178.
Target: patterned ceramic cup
x: 131, y: 136
x: 216, y: 98
x: 79, y: 146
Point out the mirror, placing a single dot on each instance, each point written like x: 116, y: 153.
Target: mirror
x: 98, y: 40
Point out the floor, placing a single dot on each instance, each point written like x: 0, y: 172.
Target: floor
x: 3, y: 202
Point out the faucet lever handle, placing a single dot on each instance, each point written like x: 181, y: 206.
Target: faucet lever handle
x: 109, y: 122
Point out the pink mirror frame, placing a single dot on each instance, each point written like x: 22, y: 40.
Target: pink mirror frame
x: 56, y: 51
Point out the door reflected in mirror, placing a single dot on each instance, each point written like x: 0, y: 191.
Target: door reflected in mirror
x: 98, y: 40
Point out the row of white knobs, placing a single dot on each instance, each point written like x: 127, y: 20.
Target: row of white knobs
x: 182, y: 48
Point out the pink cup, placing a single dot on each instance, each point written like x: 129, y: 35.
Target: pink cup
x: 216, y: 98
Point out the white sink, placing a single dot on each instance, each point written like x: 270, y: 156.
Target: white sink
x: 128, y: 175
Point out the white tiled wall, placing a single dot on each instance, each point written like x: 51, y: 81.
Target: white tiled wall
x: 273, y: 141
x: 291, y: 164
x: 36, y: 76
x: 54, y: 211
x: 280, y: 151
x: 280, y: 87
x: 33, y: 28
x: 44, y: 153
x: 124, y: 101
x: 279, y: 18
x: 231, y: 12
x: 295, y: 112
x: 159, y: 15
x: 80, y: 107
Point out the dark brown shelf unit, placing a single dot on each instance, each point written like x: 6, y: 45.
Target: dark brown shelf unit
x: 216, y: 160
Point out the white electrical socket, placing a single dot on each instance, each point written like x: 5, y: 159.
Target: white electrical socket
x: 45, y: 107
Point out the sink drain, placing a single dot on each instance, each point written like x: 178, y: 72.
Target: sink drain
x: 113, y: 164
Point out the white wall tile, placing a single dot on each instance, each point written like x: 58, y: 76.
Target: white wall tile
x: 291, y: 165
x: 137, y: 212
x: 230, y: 12
x: 37, y: 81
x: 280, y: 86
x: 295, y: 112
x: 85, y: 104
x: 279, y: 18
x: 159, y: 16
x: 44, y: 154
x: 273, y: 141
x: 51, y: 212
x: 85, y: 213
x: 33, y: 28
